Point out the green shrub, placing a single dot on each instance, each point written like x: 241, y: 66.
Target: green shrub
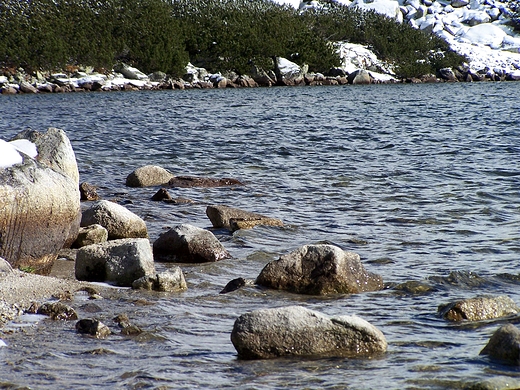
x: 220, y: 35
x: 233, y: 34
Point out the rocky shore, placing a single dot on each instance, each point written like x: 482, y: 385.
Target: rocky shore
x: 111, y: 245
x: 19, y: 289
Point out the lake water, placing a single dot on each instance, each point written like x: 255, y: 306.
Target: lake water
x: 423, y: 181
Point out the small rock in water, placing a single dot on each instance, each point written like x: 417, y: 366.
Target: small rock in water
x: 93, y: 327
x: 504, y: 345
x: 297, y: 331
x: 414, y: 287
x: 162, y: 194
x: 233, y: 285
x: 127, y: 328
x: 191, y: 181
x: 478, y: 309
x: 58, y: 311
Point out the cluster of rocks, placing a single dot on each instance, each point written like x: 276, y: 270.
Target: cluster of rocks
x: 112, y: 245
x: 127, y: 78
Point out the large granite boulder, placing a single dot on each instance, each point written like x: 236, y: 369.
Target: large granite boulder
x: 118, y: 220
x: 504, y: 345
x: 119, y: 261
x: 188, y: 244
x: 479, y: 309
x: 295, y: 330
x: 319, y: 270
x: 234, y: 219
x: 39, y: 200
x: 149, y: 175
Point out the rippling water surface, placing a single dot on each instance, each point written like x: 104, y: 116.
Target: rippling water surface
x: 423, y: 181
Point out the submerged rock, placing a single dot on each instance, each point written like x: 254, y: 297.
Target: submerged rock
x: 319, y: 270
x: 235, y: 284
x: 478, y: 309
x: 58, y: 311
x: 189, y: 244
x: 191, y: 181
x: 295, y: 330
x: 234, y: 219
x: 504, y: 345
x: 118, y: 220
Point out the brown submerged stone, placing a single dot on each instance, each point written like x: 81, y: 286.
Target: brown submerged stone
x: 192, y: 181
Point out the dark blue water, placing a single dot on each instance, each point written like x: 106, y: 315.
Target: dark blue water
x: 423, y: 181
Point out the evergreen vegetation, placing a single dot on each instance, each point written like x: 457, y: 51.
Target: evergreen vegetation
x: 219, y: 35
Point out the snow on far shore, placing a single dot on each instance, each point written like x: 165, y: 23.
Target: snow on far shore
x: 478, y: 29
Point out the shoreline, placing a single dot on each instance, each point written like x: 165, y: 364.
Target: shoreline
x: 19, y: 289
x: 86, y: 80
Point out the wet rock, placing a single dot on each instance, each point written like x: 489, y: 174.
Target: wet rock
x: 295, y: 330
x: 118, y: 220
x: 242, y: 223
x: 191, y: 181
x: 91, y: 308
x: 93, y: 234
x: 478, y: 309
x: 88, y: 192
x: 234, y: 219
x: 494, y: 383
x: 162, y: 194
x: 188, y: 244
x: 414, y: 287
x: 93, y: 328
x: 504, y: 345
x: 149, y: 175
x: 40, y: 203
x: 233, y: 285
x: 118, y: 261
x: 319, y: 270
x: 179, y: 200
x: 58, y: 311
x: 168, y: 281
x: 127, y: 328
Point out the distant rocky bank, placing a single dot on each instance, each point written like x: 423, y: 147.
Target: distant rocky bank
x: 285, y: 73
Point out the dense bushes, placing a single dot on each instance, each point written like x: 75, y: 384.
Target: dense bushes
x: 49, y: 34
x: 216, y: 34
x: 232, y: 34
x: 413, y: 52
